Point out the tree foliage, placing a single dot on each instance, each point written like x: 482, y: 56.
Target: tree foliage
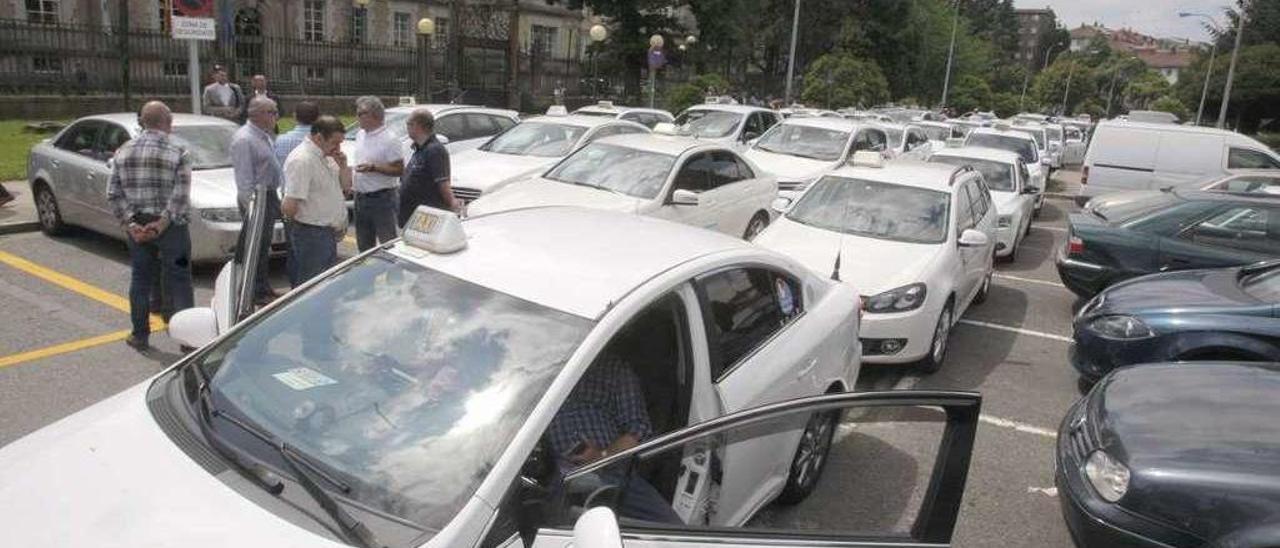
x: 1170, y: 104
x: 838, y: 80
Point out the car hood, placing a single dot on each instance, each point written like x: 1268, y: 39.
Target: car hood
x: 1172, y: 291
x: 487, y: 171
x: 786, y: 167
x: 108, y: 476
x: 1200, y: 439
x: 541, y: 192
x: 870, y: 265
x: 213, y: 188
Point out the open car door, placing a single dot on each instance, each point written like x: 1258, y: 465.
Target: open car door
x: 892, y: 468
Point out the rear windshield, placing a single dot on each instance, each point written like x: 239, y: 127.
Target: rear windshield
x: 1025, y: 149
x: 1121, y: 211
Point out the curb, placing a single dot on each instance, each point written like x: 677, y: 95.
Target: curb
x: 19, y: 228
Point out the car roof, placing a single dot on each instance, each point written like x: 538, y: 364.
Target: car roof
x: 437, y: 109
x: 740, y: 109
x: 130, y: 119
x: 567, y: 258
x: 931, y: 176
x: 673, y: 145
x: 576, y: 120
x: 619, y: 109
x: 826, y: 122
x: 981, y: 153
x: 1004, y: 132
x: 1165, y: 127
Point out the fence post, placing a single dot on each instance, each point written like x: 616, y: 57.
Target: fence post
x: 123, y: 32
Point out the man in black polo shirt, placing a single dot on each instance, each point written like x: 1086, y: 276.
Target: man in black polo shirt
x: 426, y: 176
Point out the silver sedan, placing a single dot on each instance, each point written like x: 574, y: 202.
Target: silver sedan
x: 68, y: 174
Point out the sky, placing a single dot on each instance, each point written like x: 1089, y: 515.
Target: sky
x: 1157, y: 18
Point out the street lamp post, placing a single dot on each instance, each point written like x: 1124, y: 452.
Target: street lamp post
x: 1213, y: 54
x: 1067, y: 91
x: 426, y: 27
x: 598, y: 34
x: 655, y: 42
x: 951, y: 51
x: 1047, y: 53
x: 1231, y: 72
x: 791, y: 59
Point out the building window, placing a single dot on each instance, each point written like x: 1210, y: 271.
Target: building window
x: 400, y: 30
x: 46, y: 65
x: 174, y: 68
x: 441, y: 37
x: 313, y: 20
x: 44, y: 12
x: 166, y: 21
x: 317, y: 73
x: 544, y: 39
x: 359, y: 19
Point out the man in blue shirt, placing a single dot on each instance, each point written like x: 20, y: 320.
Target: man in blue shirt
x: 426, y: 175
x: 305, y: 114
x: 253, y: 158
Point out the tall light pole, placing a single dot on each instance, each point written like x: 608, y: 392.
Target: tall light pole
x: 791, y: 59
x: 1047, y: 53
x: 951, y: 51
x: 1213, y: 54
x: 426, y: 27
x: 598, y: 34
x: 1066, y: 91
x: 1231, y: 71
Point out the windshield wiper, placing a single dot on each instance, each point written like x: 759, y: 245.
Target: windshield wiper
x: 302, y: 468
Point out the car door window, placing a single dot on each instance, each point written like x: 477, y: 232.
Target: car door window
x: 744, y: 170
x: 81, y: 138
x: 1250, y: 183
x: 502, y: 122
x: 1243, y: 158
x: 964, y: 209
x: 979, y: 197
x: 479, y: 125
x: 744, y: 307
x: 756, y: 124
x: 110, y: 139
x: 1248, y: 228
x: 1024, y: 173
x: 453, y: 127
x: 725, y: 169
x: 696, y: 173
x: 876, y: 140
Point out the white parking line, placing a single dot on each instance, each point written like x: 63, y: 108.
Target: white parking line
x: 1018, y: 426
x: 1018, y: 330
x: 1028, y: 280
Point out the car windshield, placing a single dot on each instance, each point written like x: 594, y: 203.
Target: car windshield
x: 632, y: 172
x: 395, y: 126
x: 813, y: 143
x: 1264, y: 286
x: 998, y: 175
x: 936, y: 133
x: 708, y: 123
x: 404, y: 382
x: 542, y: 139
x: 873, y: 209
x: 1025, y: 149
x: 208, y: 146
x: 1123, y: 210
x: 1036, y: 134
x: 895, y: 136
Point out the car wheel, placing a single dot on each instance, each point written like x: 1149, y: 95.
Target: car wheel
x: 47, y: 211
x: 810, y: 458
x: 932, y: 361
x: 756, y: 226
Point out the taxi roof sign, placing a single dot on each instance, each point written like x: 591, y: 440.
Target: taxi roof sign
x: 435, y: 230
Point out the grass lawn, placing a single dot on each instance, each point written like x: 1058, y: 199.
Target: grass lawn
x: 287, y: 122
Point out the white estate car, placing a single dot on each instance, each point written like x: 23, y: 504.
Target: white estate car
x: 799, y: 150
x: 937, y: 132
x: 1008, y: 180
x: 528, y: 149
x: 915, y: 238
x: 458, y: 127
x: 734, y: 125
x: 399, y: 398
x: 648, y: 117
x: 1000, y: 137
x: 686, y: 180
x: 69, y: 172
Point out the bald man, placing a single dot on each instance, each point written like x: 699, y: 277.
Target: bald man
x: 150, y: 194
x: 254, y: 161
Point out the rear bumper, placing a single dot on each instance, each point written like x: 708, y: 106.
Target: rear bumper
x: 1082, y: 278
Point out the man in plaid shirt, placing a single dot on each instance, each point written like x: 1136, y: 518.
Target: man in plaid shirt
x: 150, y: 193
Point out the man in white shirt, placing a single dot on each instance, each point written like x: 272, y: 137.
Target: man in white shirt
x: 313, y: 200
x: 379, y: 161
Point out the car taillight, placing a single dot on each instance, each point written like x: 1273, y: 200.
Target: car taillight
x: 1084, y: 175
x: 1075, y: 246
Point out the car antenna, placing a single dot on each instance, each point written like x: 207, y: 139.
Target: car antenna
x: 844, y: 220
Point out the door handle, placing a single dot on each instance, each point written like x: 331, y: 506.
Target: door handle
x: 808, y: 368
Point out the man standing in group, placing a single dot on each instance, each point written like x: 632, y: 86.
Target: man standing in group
x: 304, y: 114
x: 426, y: 177
x: 253, y: 158
x: 259, y: 90
x: 150, y: 194
x: 379, y: 162
x: 313, y: 199
x: 222, y: 98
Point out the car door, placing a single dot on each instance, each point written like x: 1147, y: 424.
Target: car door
x: 734, y: 195
x: 74, y: 160
x: 903, y: 497
x: 94, y: 195
x: 694, y: 175
x: 967, y: 218
x: 1232, y: 234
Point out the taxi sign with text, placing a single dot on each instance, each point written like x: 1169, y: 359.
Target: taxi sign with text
x: 435, y: 230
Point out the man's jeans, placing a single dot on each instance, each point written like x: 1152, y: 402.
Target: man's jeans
x: 262, y: 286
x: 312, y: 250
x: 375, y: 214
x: 168, y: 256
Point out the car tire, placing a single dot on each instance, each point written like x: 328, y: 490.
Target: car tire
x: 810, y: 458
x: 48, y: 212
x: 756, y: 225
x: 932, y: 361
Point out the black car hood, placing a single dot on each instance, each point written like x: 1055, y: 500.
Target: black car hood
x: 1214, y: 288
x: 1202, y: 441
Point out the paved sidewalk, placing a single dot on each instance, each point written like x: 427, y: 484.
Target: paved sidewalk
x: 20, y: 214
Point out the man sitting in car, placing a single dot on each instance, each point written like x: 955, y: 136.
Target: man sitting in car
x: 603, y: 415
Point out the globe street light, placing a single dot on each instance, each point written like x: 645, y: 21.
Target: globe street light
x: 426, y: 28
x: 598, y: 33
x: 655, y: 43
x: 1213, y: 54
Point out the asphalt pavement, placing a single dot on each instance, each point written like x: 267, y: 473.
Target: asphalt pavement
x: 65, y: 319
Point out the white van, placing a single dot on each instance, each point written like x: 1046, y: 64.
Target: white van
x: 1141, y: 156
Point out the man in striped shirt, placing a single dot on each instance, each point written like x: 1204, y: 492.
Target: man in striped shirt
x: 150, y: 194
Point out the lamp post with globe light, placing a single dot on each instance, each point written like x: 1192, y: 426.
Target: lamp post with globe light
x: 426, y: 28
x: 598, y: 34
x: 656, y: 61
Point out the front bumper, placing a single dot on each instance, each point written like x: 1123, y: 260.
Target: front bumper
x: 214, y: 241
x: 1093, y: 355
x: 916, y: 327
x: 1005, y: 240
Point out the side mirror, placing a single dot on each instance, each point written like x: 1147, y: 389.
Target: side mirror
x: 443, y: 140
x: 194, y: 326
x: 1030, y: 189
x: 684, y: 197
x: 973, y: 238
x: 597, y: 528
x: 111, y: 163
x: 781, y: 205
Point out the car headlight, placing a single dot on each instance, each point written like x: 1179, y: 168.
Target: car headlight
x: 902, y: 299
x: 1120, y: 327
x: 1108, y: 476
x: 221, y: 215
x: 1004, y: 221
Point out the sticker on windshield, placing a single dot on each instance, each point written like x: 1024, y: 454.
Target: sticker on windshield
x: 786, y: 301
x: 303, y: 378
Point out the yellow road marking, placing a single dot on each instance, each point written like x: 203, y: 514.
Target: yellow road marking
x: 349, y: 239
x: 67, y: 282
x: 48, y: 351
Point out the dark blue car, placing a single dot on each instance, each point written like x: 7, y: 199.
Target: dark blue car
x: 1219, y: 314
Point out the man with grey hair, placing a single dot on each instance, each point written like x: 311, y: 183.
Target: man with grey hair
x: 379, y: 161
x: 150, y: 194
x: 222, y: 98
x: 426, y: 177
x: 253, y: 158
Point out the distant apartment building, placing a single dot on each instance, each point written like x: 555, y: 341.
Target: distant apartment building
x: 1035, y: 26
x: 1166, y: 55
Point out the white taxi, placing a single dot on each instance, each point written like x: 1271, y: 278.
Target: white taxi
x: 1003, y: 138
x: 1009, y: 182
x: 648, y: 117
x: 686, y: 180
x: 801, y: 149
x: 527, y: 149
x: 731, y: 125
x: 907, y: 142
x: 916, y: 238
x: 401, y: 398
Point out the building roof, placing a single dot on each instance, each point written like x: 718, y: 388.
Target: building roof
x: 1165, y: 59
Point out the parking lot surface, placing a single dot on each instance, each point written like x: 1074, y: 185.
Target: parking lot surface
x: 62, y: 349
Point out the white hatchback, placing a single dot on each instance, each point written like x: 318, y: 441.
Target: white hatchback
x: 916, y: 238
x: 1009, y: 182
x: 1003, y: 138
x: 800, y: 150
x: 681, y: 179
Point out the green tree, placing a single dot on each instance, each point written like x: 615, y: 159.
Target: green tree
x: 1004, y: 104
x: 1172, y: 105
x: 630, y: 23
x: 693, y: 92
x: 970, y: 93
x: 838, y: 80
x: 1051, y: 85
x: 1143, y: 90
